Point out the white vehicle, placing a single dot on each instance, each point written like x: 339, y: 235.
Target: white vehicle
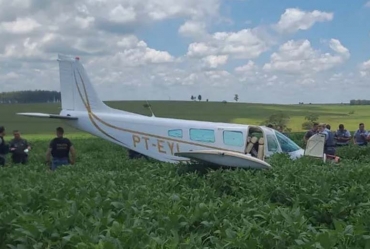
x: 165, y: 139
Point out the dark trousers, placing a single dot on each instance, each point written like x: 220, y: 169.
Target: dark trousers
x: 20, y: 158
x: 2, y: 161
x: 329, y: 151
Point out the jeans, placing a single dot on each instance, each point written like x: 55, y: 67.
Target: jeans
x: 56, y: 162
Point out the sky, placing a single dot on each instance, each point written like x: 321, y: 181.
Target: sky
x: 285, y: 51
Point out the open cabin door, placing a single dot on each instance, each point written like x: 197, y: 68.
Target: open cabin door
x: 255, y: 145
x: 315, y: 146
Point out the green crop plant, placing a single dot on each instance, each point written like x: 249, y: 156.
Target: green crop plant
x: 108, y: 201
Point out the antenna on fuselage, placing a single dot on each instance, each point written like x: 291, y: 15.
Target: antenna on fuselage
x: 150, y: 108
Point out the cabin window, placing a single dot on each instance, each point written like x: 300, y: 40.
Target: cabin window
x: 233, y: 138
x: 286, y: 144
x: 202, y: 135
x: 175, y: 133
x: 272, y: 144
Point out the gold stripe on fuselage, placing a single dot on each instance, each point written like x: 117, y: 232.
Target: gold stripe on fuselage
x: 92, y: 115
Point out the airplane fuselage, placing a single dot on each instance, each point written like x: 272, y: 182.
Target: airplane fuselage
x: 161, y: 138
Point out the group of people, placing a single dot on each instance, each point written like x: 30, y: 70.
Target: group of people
x: 340, y: 137
x: 57, y: 153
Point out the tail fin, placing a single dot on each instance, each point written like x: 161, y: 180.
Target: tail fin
x: 77, y: 92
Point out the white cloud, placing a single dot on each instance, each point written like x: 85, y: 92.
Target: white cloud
x: 122, y: 15
x: 339, y: 48
x: 244, y: 44
x: 294, y: 19
x: 133, y: 52
x: 216, y: 63
x: 249, y: 67
x: 365, y: 68
x: 367, y: 5
x: 19, y: 26
x: 298, y: 57
x: 193, y: 29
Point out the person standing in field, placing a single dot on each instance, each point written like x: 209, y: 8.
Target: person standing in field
x: 4, y: 148
x: 329, y: 146
x: 360, y: 136
x: 60, y: 148
x: 311, y: 132
x: 19, y: 148
x: 342, y: 136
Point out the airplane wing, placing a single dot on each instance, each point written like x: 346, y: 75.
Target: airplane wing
x: 46, y: 115
x: 225, y: 158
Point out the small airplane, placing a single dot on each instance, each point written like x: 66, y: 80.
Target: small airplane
x: 167, y: 139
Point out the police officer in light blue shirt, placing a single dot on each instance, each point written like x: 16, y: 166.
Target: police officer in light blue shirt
x: 360, y: 136
x: 342, y: 136
x: 329, y: 147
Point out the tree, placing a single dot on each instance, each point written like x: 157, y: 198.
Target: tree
x: 279, y: 119
x: 199, y: 97
x: 311, y: 118
x: 236, y: 97
x: 37, y: 96
x: 359, y: 102
x: 192, y: 97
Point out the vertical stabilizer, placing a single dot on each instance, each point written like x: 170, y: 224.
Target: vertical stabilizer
x: 76, y: 88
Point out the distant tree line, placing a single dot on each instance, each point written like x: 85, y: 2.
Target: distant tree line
x: 193, y: 97
x: 24, y: 97
x: 359, y: 102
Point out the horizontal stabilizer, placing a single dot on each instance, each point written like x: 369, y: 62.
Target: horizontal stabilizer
x: 46, y: 115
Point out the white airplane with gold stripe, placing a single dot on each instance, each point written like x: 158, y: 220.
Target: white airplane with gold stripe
x: 165, y: 139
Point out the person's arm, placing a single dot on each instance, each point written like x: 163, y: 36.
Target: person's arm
x: 305, y: 137
x: 11, y: 146
x: 367, y: 136
x: 48, y: 155
x: 347, y: 137
x: 2, y: 141
x: 27, y: 145
x: 73, y: 154
x: 326, y: 135
x: 48, y: 152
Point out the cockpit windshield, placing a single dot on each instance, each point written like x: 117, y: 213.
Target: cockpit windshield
x: 286, y: 144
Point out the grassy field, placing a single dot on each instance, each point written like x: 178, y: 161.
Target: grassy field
x: 208, y: 111
x: 108, y: 201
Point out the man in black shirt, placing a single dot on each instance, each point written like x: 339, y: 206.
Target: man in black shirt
x: 311, y: 132
x: 59, y: 149
x: 4, y: 148
x: 19, y: 148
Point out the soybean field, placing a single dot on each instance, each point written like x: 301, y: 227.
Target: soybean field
x: 106, y: 200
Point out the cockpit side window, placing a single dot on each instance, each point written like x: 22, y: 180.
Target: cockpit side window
x: 272, y: 144
x: 286, y: 144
